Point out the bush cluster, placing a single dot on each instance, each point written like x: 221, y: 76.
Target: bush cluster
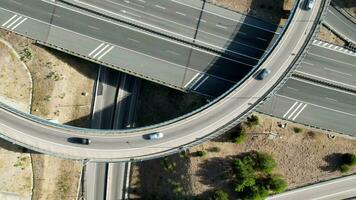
x: 254, y: 178
x: 347, y: 161
x: 238, y: 135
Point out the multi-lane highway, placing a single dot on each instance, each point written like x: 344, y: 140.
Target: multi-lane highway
x: 341, y: 25
x: 178, y: 134
x: 340, y: 188
x: 314, y: 104
x: 129, y: 48
x: 330, y: 64
x: 193, y: 21
x: 325, y: 94
x: 113, y: 108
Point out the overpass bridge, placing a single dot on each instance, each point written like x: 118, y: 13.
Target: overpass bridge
x: 183, y: 132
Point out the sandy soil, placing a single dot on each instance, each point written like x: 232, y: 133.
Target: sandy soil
x: 62, y: 91
x: 267, y: 10
x: 55, y: 178
x: 15, y: 165
x: 14, y: 76
x: 328, y: 36
x: 303, y: 158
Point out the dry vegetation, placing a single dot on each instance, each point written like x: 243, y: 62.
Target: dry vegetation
x: 306, y: 157
x: 328, y: 36
x: 62, y: 91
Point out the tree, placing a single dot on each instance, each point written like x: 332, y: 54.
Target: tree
x: 245, y: 175
x: 349, y: 159
x: 253, y: 121
x: 344, y: 168
x: 265, y: 162
x: 220, y: 195
x: 276, y: 183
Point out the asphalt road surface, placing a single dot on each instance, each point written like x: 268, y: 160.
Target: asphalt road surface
x: 315, y: 105
x: 108, y: 145
x: 131, y: 50
x: 193, y: 21
x: 340, y: 188
x: 330, y: 64
x: 340, y: 24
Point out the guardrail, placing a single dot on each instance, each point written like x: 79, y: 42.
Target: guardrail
x: 277, y: 86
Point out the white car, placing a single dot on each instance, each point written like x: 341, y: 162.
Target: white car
x: 309, y: 4
x: 155, y: 136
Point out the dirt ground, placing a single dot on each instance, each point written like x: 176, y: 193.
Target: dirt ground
x: 328, y: 36
x: 267, y: 10
x: 62, y: 91
x: 14, y: 76
x: 303, y: 158
x: 55, y: 178
x: 15, y: 165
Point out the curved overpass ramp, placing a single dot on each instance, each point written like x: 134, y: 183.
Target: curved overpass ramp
x: 118, y: 145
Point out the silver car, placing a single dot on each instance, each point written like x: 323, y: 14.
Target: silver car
x: 155, y: 136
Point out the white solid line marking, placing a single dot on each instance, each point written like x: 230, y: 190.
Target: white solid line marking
x: 13, y: 22
x: 161, y: 7
x: 308, y: 63
x: 96, y: 49
x: 300, y: 111
x: 285, y: 114
x: 4, y: 24
x: 191, y: 80
x: 295, y: 110
x: 101, y: 50
x: 179, y: 13
x: 337, y: 71
x: 333, y: 194
x: 18, y: 24
x: 331, y: 99
x: 292, y: 88
x: 133, y: 40
x: 93, y: 27
x: 261, y: 39
x: 201, y: 82
x: 106, y: 52
x: 220, y: 26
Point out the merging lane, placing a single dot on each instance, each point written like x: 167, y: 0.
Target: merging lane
x: 330, y: 64
x: 111, y: 145
x: 138, y: 51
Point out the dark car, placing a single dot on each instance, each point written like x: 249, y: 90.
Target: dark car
x: 78, y: 140
x: 263, y: 74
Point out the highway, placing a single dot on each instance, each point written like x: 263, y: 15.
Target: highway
x: 193, y: 21
x: 340, y: 188
x: 341, y: 25
x: 315, y: 105
x: 131, y: 50
x: 109, y: 145
x: 113, y: 107
x: 330, y: 64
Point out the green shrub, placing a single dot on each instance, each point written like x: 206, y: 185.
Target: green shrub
x: 168, y: 165
x: 349, y: 159
x: 245, y: 174
x: 265, y: 162
x: 297, y: 130
x: 201, y: 153
x: 220, y: 195
x: 344, y: 168
x: 277, y: 184
x: 252, y: 121
x: 238, y: 135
